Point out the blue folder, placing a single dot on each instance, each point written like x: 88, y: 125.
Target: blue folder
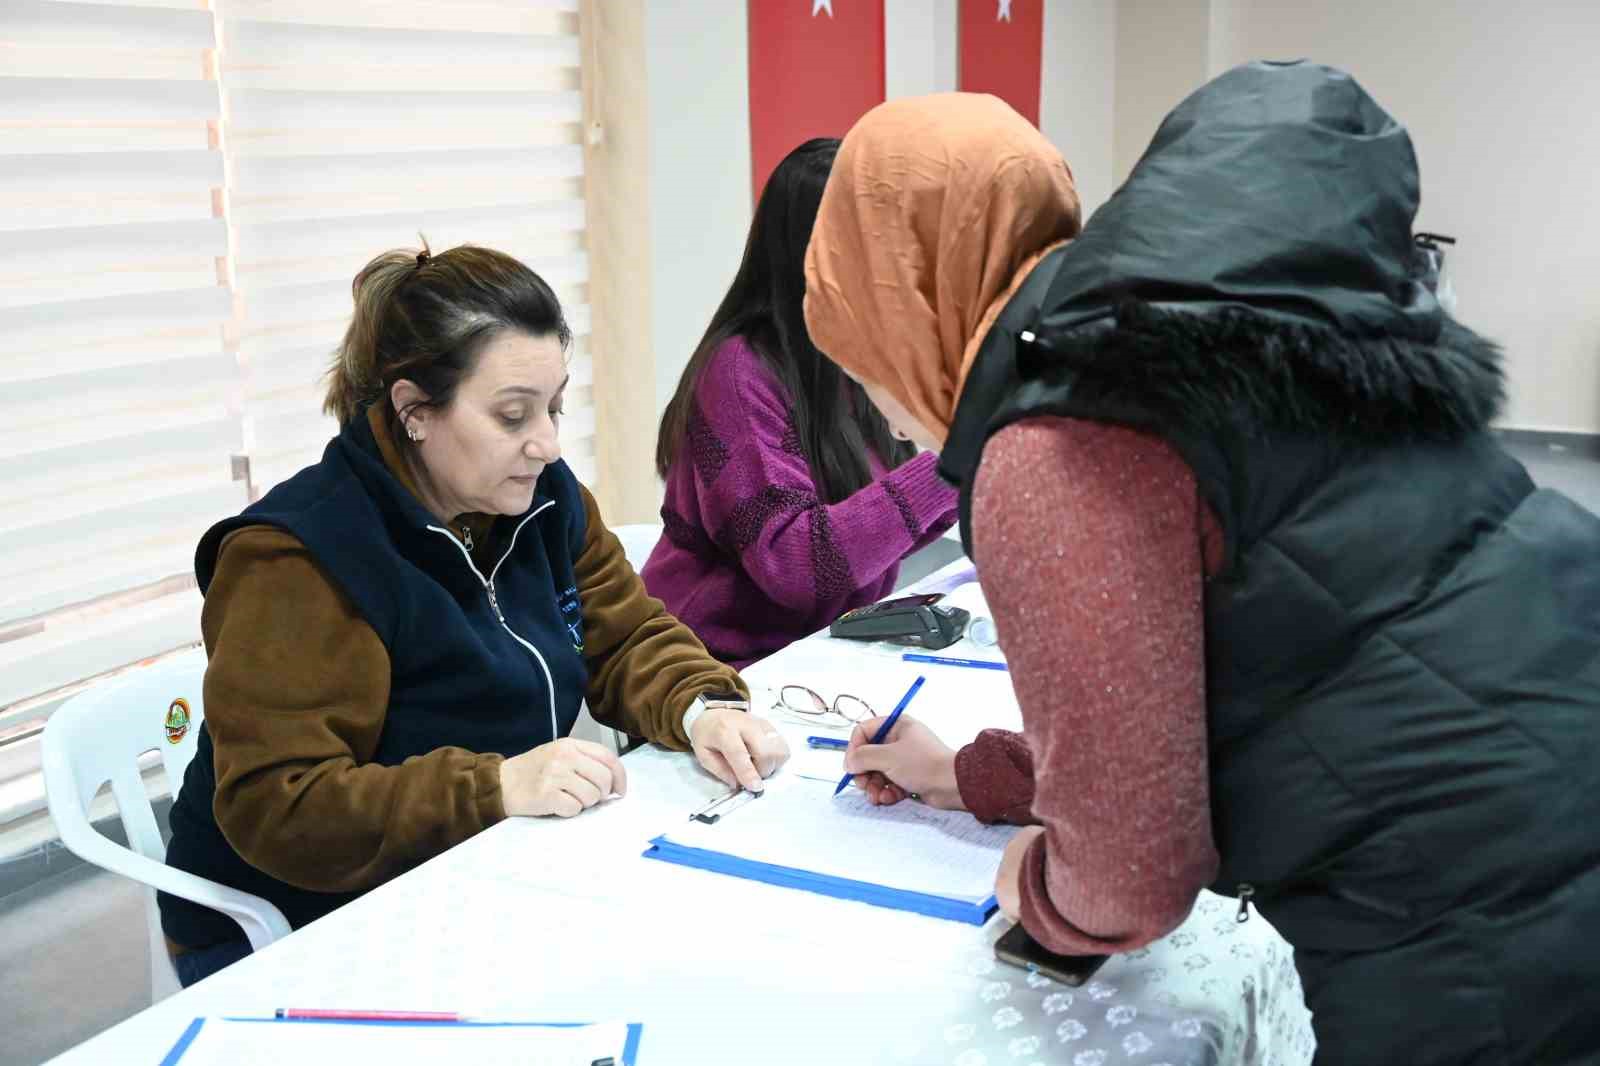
x: 630, y: 1050
x: 951, y: 909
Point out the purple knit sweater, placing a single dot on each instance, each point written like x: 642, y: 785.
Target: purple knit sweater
x: 752, y: 559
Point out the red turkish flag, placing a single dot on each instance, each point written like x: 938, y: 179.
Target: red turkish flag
x: 1002, y: 51
x: 815, y: 67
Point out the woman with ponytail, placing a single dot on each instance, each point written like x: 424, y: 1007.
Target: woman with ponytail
x: 400, y: 636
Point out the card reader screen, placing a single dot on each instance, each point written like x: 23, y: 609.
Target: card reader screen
x: 904, y: 603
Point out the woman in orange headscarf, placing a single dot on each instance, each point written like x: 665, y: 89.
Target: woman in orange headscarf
x: 940, y: 209
x: 1281, y: 615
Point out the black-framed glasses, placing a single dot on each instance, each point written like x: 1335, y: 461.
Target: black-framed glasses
x: 806, y: 705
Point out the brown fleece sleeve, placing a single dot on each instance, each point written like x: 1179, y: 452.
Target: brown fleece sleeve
x: 296, y: 692
x: 645, y: 666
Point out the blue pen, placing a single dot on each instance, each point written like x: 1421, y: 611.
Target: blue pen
x: 951, y: 660
x: 827, y: 742
x: 888, y: 724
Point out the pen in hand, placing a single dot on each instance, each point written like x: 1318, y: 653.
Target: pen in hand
x: 888, y: 723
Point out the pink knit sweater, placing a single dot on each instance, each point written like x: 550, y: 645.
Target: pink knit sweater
x: 1092, y: 544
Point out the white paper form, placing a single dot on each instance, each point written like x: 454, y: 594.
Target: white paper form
x: 909, y: 846
x: 271, y: 1043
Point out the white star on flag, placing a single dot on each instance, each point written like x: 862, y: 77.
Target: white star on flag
x: 1003, y: 15
x: 821, y: 5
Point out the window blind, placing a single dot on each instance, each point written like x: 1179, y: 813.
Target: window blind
x: 116, y: 385
x: 186, y: 192
x: 349, y: 127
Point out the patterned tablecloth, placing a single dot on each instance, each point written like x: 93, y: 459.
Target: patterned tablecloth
x: 1215, y: 991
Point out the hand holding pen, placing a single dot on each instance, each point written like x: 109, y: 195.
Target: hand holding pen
x: 911, y: 762
x: 881, y: 734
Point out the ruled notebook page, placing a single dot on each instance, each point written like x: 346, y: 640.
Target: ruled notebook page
x: 909, y: 846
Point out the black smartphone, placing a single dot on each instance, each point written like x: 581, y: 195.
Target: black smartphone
x: 1017, y: 948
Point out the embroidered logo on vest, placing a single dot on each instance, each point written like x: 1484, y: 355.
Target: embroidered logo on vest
x: 177, y: 721
x: 571, y: 616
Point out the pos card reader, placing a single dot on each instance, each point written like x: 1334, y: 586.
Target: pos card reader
x: 913, y: 620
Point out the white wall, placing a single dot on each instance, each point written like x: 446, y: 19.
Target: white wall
x: 1503, y: 104
x: 697, y: 56
x: 1162, y: 51
x: 1078, y: 97
x: 919, y: 47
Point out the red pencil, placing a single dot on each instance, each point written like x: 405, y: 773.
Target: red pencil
x: 308, y: 1014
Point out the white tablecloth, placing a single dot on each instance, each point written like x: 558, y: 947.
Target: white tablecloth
x: 563, y: 920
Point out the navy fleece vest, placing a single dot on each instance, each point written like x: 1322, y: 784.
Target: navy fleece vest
x: 487, y: 659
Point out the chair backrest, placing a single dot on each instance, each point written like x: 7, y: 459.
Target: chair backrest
x: 99, y: 736
x: 638, y: 541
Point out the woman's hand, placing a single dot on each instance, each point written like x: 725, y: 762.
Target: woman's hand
x: 563, y: 777
x: 738, y: 747
x: 1008, y: 879
x: 910, y: 761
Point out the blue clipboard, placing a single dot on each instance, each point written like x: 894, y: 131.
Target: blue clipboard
x: 630, y: 1049
x: 934, y: 906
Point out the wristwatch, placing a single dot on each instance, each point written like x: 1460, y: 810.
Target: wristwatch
x: 706, y: 701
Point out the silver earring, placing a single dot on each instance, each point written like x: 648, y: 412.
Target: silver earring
x: 411, y: 431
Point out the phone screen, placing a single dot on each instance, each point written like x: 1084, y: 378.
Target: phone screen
x: 1017, y: 948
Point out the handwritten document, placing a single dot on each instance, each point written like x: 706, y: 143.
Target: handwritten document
x: 799, y: 823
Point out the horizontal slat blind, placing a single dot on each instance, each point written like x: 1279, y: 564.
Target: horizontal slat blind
x: 352, y: 127
x: 117, y: 387
x: 186, y: 190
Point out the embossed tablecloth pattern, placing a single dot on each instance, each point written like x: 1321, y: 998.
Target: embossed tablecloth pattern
x: 1146, y: 1007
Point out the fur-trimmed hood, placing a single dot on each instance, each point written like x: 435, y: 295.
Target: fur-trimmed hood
x: 1255, y: 273
x: 1237, y: 370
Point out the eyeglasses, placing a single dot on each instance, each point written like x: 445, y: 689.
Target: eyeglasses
x: 805, y: 705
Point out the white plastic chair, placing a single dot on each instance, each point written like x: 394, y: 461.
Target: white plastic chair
x: 638, y: 541
x: 98, y: 736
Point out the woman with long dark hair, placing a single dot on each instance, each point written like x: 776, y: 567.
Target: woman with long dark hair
x: 788, y: 501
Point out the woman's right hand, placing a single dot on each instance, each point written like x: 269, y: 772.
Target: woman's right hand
x: 912, y: 760
x: 564, y: 777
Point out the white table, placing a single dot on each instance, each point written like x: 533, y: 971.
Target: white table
x: 563, y: 920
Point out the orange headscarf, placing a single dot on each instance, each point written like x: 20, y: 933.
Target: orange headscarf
x: 936, y: 209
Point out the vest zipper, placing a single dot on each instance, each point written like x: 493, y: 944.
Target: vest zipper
x: 466, y: 536
x: 494, y: 601
x: 1247, y: 892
